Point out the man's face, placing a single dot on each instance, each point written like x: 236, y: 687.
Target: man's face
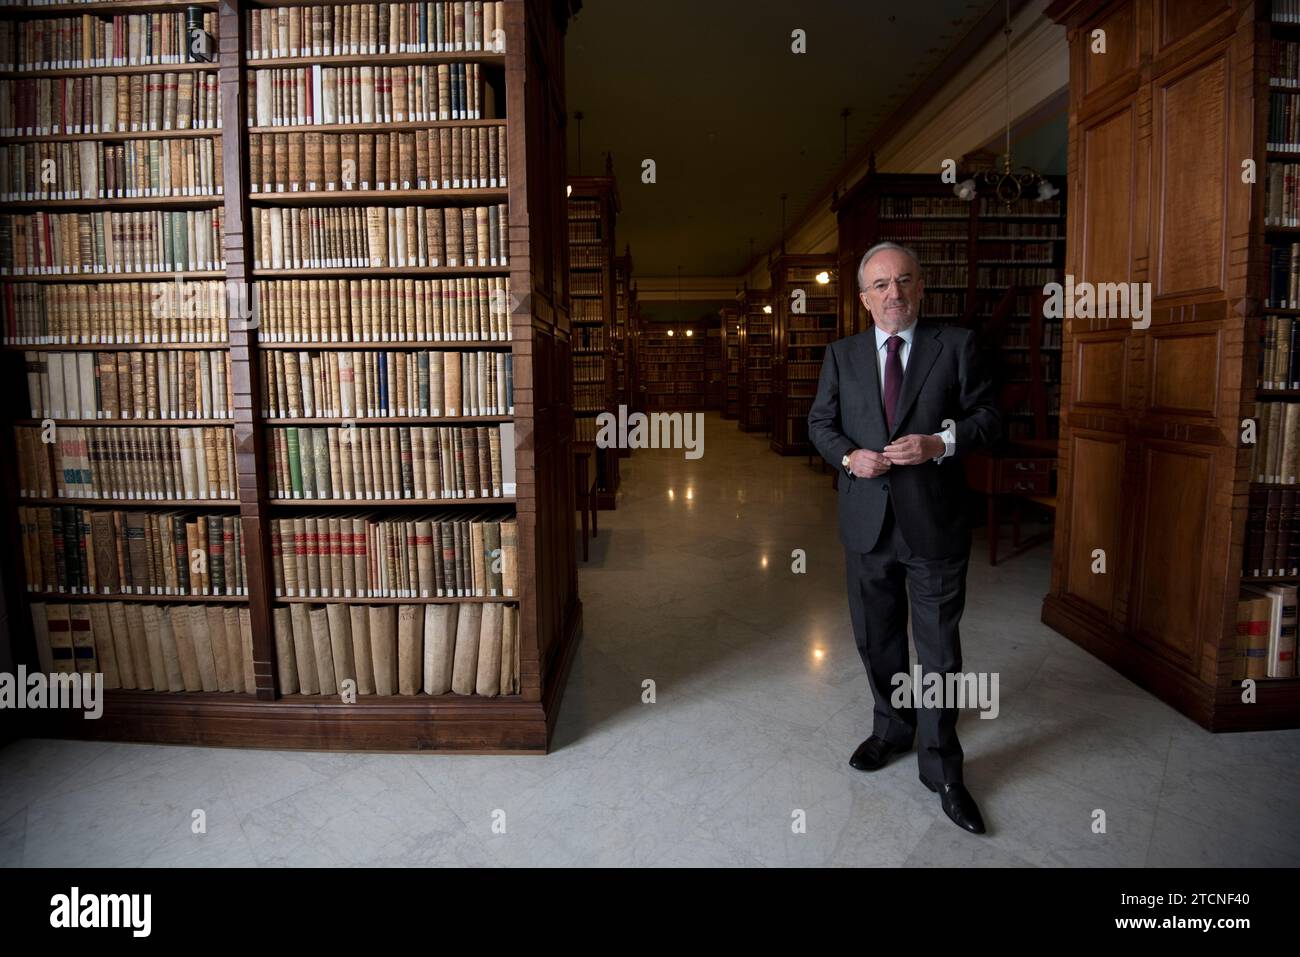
x: 893, y: 290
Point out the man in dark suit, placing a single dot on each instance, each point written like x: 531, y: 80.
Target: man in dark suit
x: 896, y: 407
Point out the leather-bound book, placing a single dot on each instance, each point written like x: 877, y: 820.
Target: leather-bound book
x: 439, y: 647
x: 220, y: 646
x: 464, y: 677
x: 322, y: 649
x: 201, y: 641
x: 285, y: 658
x: 410, y: 648
x: 383, y: 646
x: 304, y: 650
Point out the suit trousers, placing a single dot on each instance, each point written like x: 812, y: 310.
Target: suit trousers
x: 879, y: 584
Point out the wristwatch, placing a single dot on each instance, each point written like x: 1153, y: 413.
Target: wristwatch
x: 845, y: 463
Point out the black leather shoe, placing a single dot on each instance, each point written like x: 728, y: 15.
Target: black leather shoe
x: 874, y: 753
x: 958, y: 805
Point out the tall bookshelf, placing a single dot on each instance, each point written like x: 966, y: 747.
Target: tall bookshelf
x: 755, y: 317
x: 620, y: 341
x: 983, y: 263
x: 509, y: 303
x: 673, y: 364
x: 805, y: 311
x: 593, y: 211
x: 731, y: 361
x: 714, y: 367
x: 1154, y: 463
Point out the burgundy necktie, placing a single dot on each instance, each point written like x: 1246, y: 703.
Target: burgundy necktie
x: 893, y: 378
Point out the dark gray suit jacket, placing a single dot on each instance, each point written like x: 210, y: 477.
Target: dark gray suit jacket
x: 943, y: 380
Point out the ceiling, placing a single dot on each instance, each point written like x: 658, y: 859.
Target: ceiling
x: 712, y: 92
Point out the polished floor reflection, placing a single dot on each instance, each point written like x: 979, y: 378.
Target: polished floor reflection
x: 693, y: 597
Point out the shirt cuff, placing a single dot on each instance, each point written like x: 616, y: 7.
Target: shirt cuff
x: 949, y: 444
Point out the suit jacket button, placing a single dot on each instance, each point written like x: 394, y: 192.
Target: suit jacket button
x: 884, y: 487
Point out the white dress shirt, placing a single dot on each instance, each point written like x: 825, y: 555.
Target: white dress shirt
x: 905, y: 350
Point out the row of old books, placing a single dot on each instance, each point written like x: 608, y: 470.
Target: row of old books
x: 98, y: 551
x: 168, y: 311
x: 93, y: 169
x: 1279, y: 357
x: 126, y: 462
x: 586, y: 310
x: 448, y: 555
x: 994, y: 276
x: 1272, y: 546
x: 586, y: 284
x: 379, y: 236
x: 148, y: 647
x: 1014, y: 252
x: 468, y: 158
x: 310, y: 96
x: 1283, y: 276
x: 107, y: 242
x: 141, y: 384
x: 383, y: 310
x: 373, y: 382
x: 361, y: 28
x: 1282, y: 194
x: 1266, y: 632
x: 588, y: 369
x: 107, y: 103
x: 1276, y: 456
x: 89, y: 41
x: 382, y: 463
x: 924, y: 207
x: 1283, y: 122
x: 463, y: 648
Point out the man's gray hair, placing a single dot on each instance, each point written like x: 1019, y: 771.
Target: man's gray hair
x: 880, y: 248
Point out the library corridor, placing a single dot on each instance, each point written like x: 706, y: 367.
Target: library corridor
x: 759, y: 698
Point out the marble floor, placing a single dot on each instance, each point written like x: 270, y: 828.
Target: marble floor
x: 759, y: 699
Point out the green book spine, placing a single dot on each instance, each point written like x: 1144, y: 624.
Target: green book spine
x: 295, y: 463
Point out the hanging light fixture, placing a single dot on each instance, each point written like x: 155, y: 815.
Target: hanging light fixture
x: 1010, y: 183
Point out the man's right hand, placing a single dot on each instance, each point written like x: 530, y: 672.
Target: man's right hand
x: 865, y: 463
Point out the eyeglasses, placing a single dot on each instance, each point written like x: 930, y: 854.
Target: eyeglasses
x: 881, y: 286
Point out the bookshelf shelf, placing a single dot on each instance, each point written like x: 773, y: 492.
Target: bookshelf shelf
x: 799, y: 341
x: 396, y: 127
x: 17, y: 12
x: 499, y: 344
x: 67, y: 596
x: 90, y: 71
x: 133, y: 502
x: 116, y: 276
x: 390, y: 420
x: 382, y: 59
x: 544, y: 614
x: 379, y: 197
x: 114, y: 346
x: 125, y: 202
x: 124, y: 135
x: 593, y: 284
x: 478, y: 599
x: 388, y: 502
x: 139, y: 422
x: 362, y: 272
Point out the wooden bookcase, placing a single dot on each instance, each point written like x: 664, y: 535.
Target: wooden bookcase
x: 983, y: 263
x: 1154, y: 470
x: 593, y: 211
x: 731, y: 361
x: 715, y: 385
x: 805, y: 314
x: 620, y: 341
x: 527, y: 78
x: 755, y: 318
x: 673, y: 366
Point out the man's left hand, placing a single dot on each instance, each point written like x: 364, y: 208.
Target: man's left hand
x: 914, y: 449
